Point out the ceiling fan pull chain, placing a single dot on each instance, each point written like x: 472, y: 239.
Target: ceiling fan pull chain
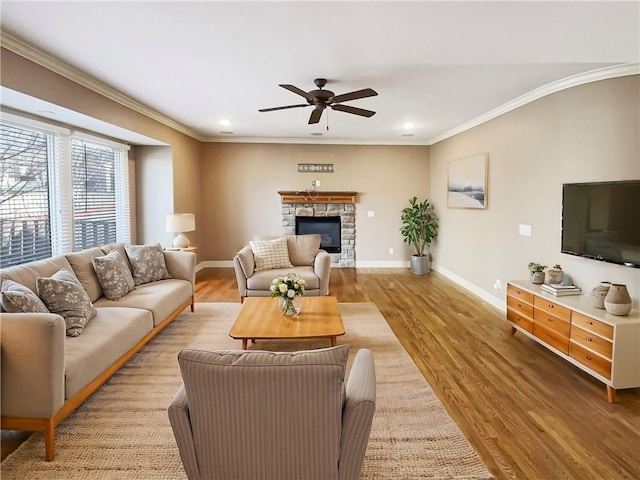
x: 327, y: 120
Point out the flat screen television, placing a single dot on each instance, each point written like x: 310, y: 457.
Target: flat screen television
x: 601, y: 221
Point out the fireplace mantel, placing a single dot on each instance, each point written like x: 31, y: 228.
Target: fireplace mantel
x: 317, y: 197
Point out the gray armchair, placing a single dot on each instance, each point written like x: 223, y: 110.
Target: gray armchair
x: 265, y: 415
x: 306, y: 258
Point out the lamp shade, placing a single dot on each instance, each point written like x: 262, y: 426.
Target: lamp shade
x: 181, y: 222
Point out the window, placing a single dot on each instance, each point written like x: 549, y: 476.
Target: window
x: 59, y: 191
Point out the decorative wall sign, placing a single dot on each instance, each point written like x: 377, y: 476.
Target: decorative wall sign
x: 315, y: 167
x: 467, y: 182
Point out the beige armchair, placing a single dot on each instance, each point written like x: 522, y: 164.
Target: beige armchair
x: 249, y: 415
x: 304, y: 257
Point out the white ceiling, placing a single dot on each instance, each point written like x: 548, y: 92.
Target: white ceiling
x: 438, y: 65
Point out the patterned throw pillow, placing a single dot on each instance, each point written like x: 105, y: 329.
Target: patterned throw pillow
x: 270, y: 254
x: 114, y: 275
x: 63, y: 294
x: 147, y: 263
x: 16, y: 298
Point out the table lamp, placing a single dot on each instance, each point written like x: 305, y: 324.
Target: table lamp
x: 180, y: 223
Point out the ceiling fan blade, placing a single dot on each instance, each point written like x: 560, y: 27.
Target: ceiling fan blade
x: 364, y: 93
x: 295, y: 89
x: 283, y: 108
x: 354, y: 110
x: 315, y: 116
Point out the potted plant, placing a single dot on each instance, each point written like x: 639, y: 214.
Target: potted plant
x: 537, y: 273
x: 419, y: 228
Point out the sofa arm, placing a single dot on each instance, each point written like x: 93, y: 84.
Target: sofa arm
x: 181, y: 265
x: 181, y: 424
x: 322, y: 268
x: 33, y: 351
x: 357, y: 415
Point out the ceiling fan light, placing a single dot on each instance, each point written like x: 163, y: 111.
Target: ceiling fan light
x: 408, y: 126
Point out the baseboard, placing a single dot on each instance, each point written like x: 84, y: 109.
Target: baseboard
x: 484, y: 295
x: 382, y: 264
x: 214, y: 264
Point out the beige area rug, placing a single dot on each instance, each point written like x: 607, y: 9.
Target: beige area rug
x: 123, y: 432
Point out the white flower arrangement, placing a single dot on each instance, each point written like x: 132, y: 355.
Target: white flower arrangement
x: 288, y: 286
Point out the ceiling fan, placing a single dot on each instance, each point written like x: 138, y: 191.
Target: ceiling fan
x: 321, y: 99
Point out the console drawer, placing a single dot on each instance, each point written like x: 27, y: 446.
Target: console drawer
x: 551, y: 322
x: 591, y: 360
x: 551, y: 337
x: 513, y: 291
x: 591, y: 342
x: 522, y: 307
x: 516, y: 317
x: 592, y: 325
x: 553, y: 308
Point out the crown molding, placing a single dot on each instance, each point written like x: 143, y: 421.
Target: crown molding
x: 22, y: 48
x: 553, y: 87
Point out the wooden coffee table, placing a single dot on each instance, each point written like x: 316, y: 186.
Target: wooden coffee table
x: 260, y: 318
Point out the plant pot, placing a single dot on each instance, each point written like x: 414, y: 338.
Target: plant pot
x: 420, y: 264
x: 537, y: 278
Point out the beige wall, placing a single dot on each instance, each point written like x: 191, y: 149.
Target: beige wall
x: 240, y: 184
x: 24, y: 76
x: 583, y: 134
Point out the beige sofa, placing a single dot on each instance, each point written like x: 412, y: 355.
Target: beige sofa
x: 47, y: 374
x: 304, y: 258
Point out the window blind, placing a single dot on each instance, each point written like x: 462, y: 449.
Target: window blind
x: 25, y: 226
x: 59, y: 192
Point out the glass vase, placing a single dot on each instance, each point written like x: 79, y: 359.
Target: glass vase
x: 290, y: 307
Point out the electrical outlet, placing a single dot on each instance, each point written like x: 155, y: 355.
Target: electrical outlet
x: 391, y: 251
x: 371, y: 213
x: 497, y: 284
x: 315, y: 183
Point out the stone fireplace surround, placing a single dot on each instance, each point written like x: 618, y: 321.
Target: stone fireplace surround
x: 324, y: 204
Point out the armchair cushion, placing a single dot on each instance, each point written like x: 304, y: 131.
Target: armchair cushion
x: 303, y: 248
x: 270, y: 254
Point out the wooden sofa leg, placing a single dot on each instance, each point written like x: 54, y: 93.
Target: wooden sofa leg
x: 49, y: 439
x: 193, y: 303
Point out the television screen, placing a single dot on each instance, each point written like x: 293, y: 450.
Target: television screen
x: 602, y: 221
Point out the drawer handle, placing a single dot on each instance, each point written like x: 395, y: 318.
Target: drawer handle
x: 588, y: 357
x: 550, y: 306
x: 550, y: 320
x: 589, y: 339
x: 589, y: 322
x: 519, y: 305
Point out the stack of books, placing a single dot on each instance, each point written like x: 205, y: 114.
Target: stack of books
x: 561, y: 290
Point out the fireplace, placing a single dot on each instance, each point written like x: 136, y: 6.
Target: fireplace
x: 329, y: 229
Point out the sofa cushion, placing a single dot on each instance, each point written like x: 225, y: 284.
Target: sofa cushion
x: 269, y: 254
x: 27, y: 273
x: 262, y: 280
x: 83, y: 269
x: 111, y: 333
x: 147, y: 263
x: 16, y: 298
x: 114, y: 275
x: 161, y: 298
x: 119, y: 247
x: 63, y: 294
x: 303, y: 248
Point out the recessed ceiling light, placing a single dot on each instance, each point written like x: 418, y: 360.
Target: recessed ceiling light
x: 407, y: 134
x: 226, y: 132
x: 316, y: 134
x: 408, y: 126
x: 225, y: 122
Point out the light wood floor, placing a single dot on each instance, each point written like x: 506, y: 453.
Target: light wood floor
x: 528, y: 413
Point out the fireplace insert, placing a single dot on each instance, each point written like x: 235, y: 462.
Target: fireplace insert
x: 329, y: 229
